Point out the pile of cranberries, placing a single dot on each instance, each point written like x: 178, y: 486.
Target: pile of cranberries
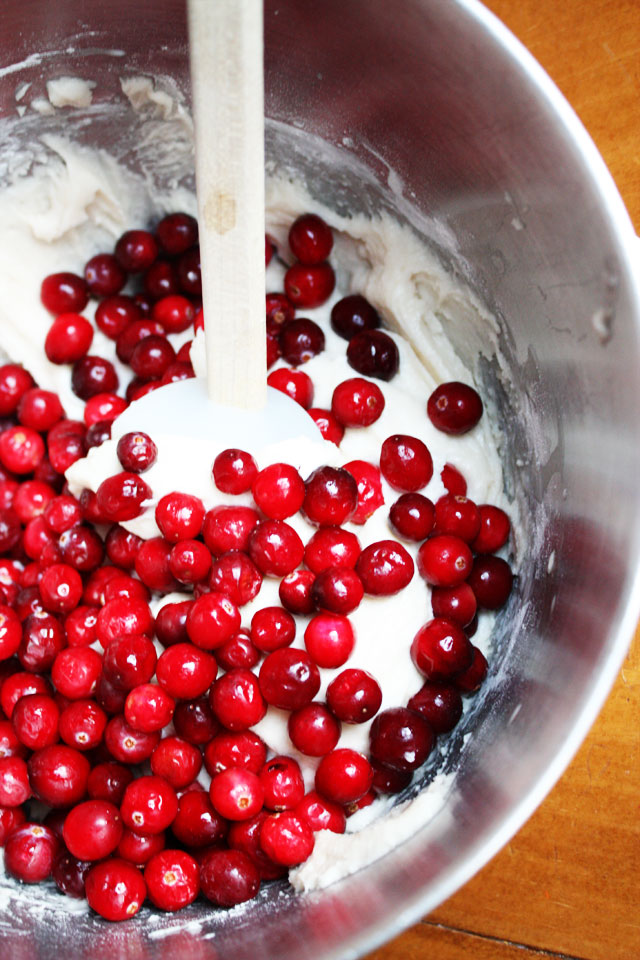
x: 110, y: 736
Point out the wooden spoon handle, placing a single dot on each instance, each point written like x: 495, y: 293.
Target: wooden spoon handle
x: 226, y: 48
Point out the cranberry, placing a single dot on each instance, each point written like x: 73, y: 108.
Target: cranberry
x: 234, y: 471
x: 65, y: 445
x: 14, y: 383
x: 80, y: 626
x: 444, y: 560
x: 149, y: 805
x: 228, y: 877
x: 236, y: 794
x: 212, y: 619
x: 92, y: 375
x: 289, y: 679
x: 412, y: 516
x: 354, y: 696
x: 185, y: 671
x: 104, y: 276
x: 133, y: 334
x: 310, y: 239
x: 278, y: 491
x: 21, y: 449
x: 110, y: 697
x: 190, y: 272
x: 244, y: 836
x: 42, y: 641
x: 457, y: 515
x: 151, y: 357
x: 272, y: 628
x: 123, y: 616
x: 69, y: 874
x: 138, y: 848
x: 115, y: 889
x: 61, y: 588
x: 385, y: 568
x: 189, y: 561
x: 179, y: 516
x: 122, y: 547
x: 62, y: 292
x: 273, y: 349
x: 453, y: 481
x: 331, y: 547
x: 329, y: 639
x: 337, y: 590
x: 29, y: 852
x: 309, y: 285
x: 275, y: 548
x: 457, y: 603
x: 92, y: 830
x: 173, y: 879
x: 69, y: 339
x: 331, y: 496
x: 454, y: 408
x: 152, y: 565
x: 279, y: 310
x: 10, y: 745
x: 14, y: 781
x: 31, y: 499
x: 314, y: 730
x: 400, y: 739
x: 241, y: 748
x: 161, y: 280
x: 129, y: 661
x: 115, y: 314
x: 136, y: 452
x: 440, y: 649
x: 405, y: 463
x: 148, y: 708
x: 175, y: 313
x: 195, y: 722
x: 58, y: 775
x: 127, y: 587
x: 439, y: 703
x: 295, y: 383
x: 35, y: 720
x: 98, y: 433
x: 287, y: 838
x: 357, y: 402
x: 61, y: 513
x: 10, y: 633
x: 176, y: 233
x: 237, y: 699
x: 374, y: 354
x: 39, y: 409
x: 10, y: 530
x: 300, y: 340
x: 238, y: 651
x: 82, y: 724
x: 282, y: 782
x: 18, y: 685
x: 295, y: 592
x: 343, y: 776
x: 494, y: 529
x: 491, y: 580
x: 236, y: 576
x: 136, y: 250
x: 472, y: 678
x: 388, y: 780
x: 321, y: 814
x: 327, y: 424
x: 177, y: 761
x: 196, y: 823
x: 228, y: 528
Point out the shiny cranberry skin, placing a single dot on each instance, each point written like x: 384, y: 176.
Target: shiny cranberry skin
x: 357, y: 402
x: 80, y: 626
x: 175, y: 313
x: 458, y: 516
x: 300, y: 340
x: 10, y: 745
x: 337, y: 590
x: 273, y: 349
x: 444, y: 560
x: 321, y: 814
x: 35, y: 720
x: 129, y: 661
x: 10, y: 530
x: 122, y: 547
x: 92, y: 830
x: 189, y: 561
x: 61, y: 588
x: 114, y: 315
x: 237, y: 700
x: 295, y: 383
x: 287, y: 838
x: 21, y: 449
x: 151, y: 357
x: 69, y: 338
x: 236, y: 794
x: 412, y: 516
x: 196, y: 823
x: 272, y: 628
x: 42, y: 641
x: 115, y: 889
x: 331, y: 547
x: 30, y: 499
x: 62, y: 292
x: 310, y: 239
x: 173, y: 879
x: 138, y: 848
x: 136, y: 452
x: 133, y: 334
x: 228, y: 877
x: 491, y: 580
x: 278, y: 310
x: 278, y: 491
x: 343, y: 776
x: 234, y: 471
x: 354, y: 696
x: 148, y: 708
x: 212, y: 619
x: 152, y: 565
x: 456, y: 603
x: 29, y: 852
x: 440, y: 649
x: 352, y: 315
x: 453, y: 481
x: 236, y: 576
x: 275, y: 548
x: 82, y: 724
x: 309, y: 285
x: 374, y: 354
x: 69, y: 874
x: 149, y: 805
x: 238, y: 651
x: 190, y: 272
x: 177, y: 761
x: 439, y: 703
x: 472, y: 678
x: 370, y: 496
x: 185, y: 671
x: 289, y: 679
x: 389, y: 781
x: 104, y: 276
x: 10, y: 633
x: 400, y: 739
x: 39, y: 409
x: 58, y: 775
x: 121, y: 497
x: 136, y: 250
x: 228, y: 528
x: 327, y: 425
x: 329, y: 639
x: 454, y: 408
x: 179, y: 516
x: 171, y: 623
x: 81, y: 548
x: 161, y: 280
x: 92, y: 375
x: 61, y: 513
x: 195, y: 722
x: 494, y: 529
x: 65, y: 445
x: 176, y: 233
x: 331, y: 496
x: 314, y: 730
x: 295, y: 592
x: 282, y: 782
x: 14, y: 781
x: 241, y: 748
x: 385, y: 568
x: 19, y: 684
x: 14, y: 383
x: 405, y: 463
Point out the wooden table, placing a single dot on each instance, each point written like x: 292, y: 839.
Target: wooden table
x: 568, y: 884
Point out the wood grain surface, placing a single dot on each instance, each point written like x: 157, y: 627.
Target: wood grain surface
x: 568, y: 884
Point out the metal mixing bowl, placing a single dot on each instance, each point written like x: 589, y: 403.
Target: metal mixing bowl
x: 462, y: 134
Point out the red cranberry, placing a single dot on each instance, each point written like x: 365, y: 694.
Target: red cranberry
x: 39, y: 409
x: 295, y: 592
x: 286, y: 838
x: 494, y: 529
x: 62, y: 292
x: 61, y: 513
x: 124, y: 586
x: 176, y: 233
x: 195, y: 722
x: 104, y: 276
x: 228, y: 877
x: 456, y: 603
x: 357, y: 402
x: 18, y: 685
x: 337, y: 590
x: 272, y: 628
x: 58, y: 775
x: 69, y: 874
x: 14, y: 781
x: 300, y: 340
x: 189, y: 561
x: 69, y: 338
x: 180, y: 516
x: 234, y: 471
x: 82, y: 724
x: 122, y: 547
x: 289, y: 679
x: 196, y: 823
x: 190, y: 272
x: 370, y: 496
x: 388, y: 780
x: 237, y: 699
x: 175, y: 313
x: 282, y: 782
x: 161, y: 280
x: 279, y: 310
x: 440, y: 650
x: 354, y: 696
x: 114, y: 315
x: 173, y: 879
x: 313, y: 730
x: 121, y: 497
x: 321, y: 814
x: 241, y: 748
x: 29, y: 853
x: 60, y: 588
x: 331, y: 547
x: 400, y: 739
x: 454, y: 408
x: 412, y: 516
x: 151, y: 357
x: 275, y: 548
x: 472, y: 678
x: 385, y: 568
x: 80, y: 626
x: 457, y: 515
x: 278, y: 491
x: 10, y: 633
x: 115, y: 889
x: 453, y: 481
x: 405, y: 463
x: 228, y: 528
x: 327, y: 424
x: 273, y: 349
x: 14, y: 383
x: 65, y: 445
x: 236, y: 794
x: 149, y: 805
x: 92, y: 375
x: 185, y: 671
x: 444, y: 560
x: 295, y: 383
x: 35, y: 720
x: 148, y: 707
x: 152, y: 565
x: 491, y: 580
x: 331, y: 496
x: 343, y: 776
x: 42, y: 641
x: 212, y: 619
x: 238, y: 651
x: 136, y: 250
x: 310, y: 239
x: 10, y: 745
x: 329, y: 639
x: 138, y: 848
x: 31, y: 499
x: 21, y: 449
x: 374, y: 354
x: 136, y: 331
x: 10, y: 530
x: 92, y: 830
x: 439, y: 703
x: 177, y: 761
x: 129, y: 661
x: 309, y: 285
x: 236, y: 576
x: 121, y: 617
x: 98, y: 433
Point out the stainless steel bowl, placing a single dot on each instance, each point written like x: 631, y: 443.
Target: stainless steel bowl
x: 436, y: 96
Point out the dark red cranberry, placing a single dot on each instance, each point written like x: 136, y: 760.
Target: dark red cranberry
x: 279, y: 311
x: 275, y: 548
x: 136, y: 250
x: 128, y: 661
x: 115, y: 889
x: 439, y: 703
x: 161, y: 280
x: 472, y: 678
x: 454, y: 408
x: 321, y: 814
x: 194, y: 720
x: 331, y: 496
x: 190, y: 272
x: 42, y: 640
x: 133, y: 334
x: 81, y: 547
x: 314, y: 730
x: 310, y: 239
x: 357, y: 402
x: 457, y: 515
x: 196, y: 823
x: 122, y: 546
x: 400, y: 739
x: 343, y: 776
x: 352, y: 315
x: 412, y: 516
x: 384, y: 568
x: 272, y: 628
x: 374, y: 354
x: 228, y: 877
x: 104, y: 276
x: 238, y: 651
x: 98, y: 433
x: 337, y: 590
x: 177, y: 761
x: 92, y: 375
x: 354, y: 696
x: 289, y: 678
x: 491, y: 580
x: 176, y: 233
x: 440, y: 649
x: 494, y: 529
x: 58, y: 775
x: 388, y: 780
x: 69, y: 874
x: 456, y: 603
x: 295, y: 592
x: 300, y: 340
x: 114, y: 315
x: 239, y: 748
x: 295, y: 383
x: 309, y: 286
x: 152, y: 565
x: 151, y: 357
x: 64, y: 292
